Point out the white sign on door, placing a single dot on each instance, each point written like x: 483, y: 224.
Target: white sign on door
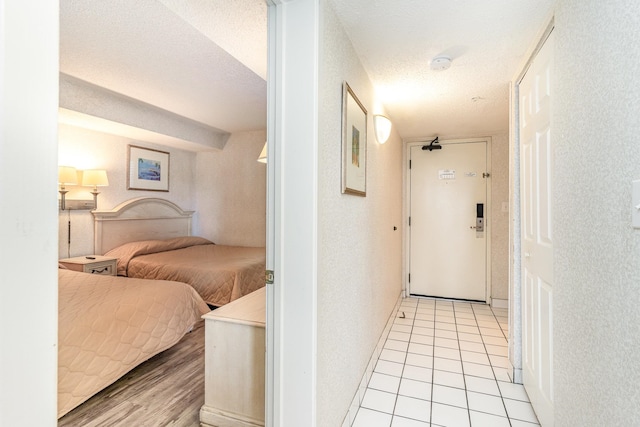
x: 446, y: 174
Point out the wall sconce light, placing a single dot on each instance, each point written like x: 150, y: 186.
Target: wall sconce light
x: 67, y: 175
x: 382, y: 127
x: 97, y: 178
x: 262, y: 158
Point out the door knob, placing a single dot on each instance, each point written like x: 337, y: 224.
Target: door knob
x: 527, y: 254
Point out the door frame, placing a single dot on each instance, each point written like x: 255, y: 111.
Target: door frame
x: 413, y: 142
x: 292, y: 175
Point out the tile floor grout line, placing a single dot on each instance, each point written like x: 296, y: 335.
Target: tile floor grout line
x: 376, y: 364
x: 464, y: 380
x: 433, y: 362
x: 494, y: 374
x: 499, y: 390
x: 454, y: 311
x: 404, y: 364
x: 495, y: 379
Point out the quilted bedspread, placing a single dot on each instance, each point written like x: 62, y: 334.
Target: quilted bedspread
x: 107, y: 325
x: 219, y: 273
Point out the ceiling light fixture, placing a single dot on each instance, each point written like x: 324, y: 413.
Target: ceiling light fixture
x: 440, y: 63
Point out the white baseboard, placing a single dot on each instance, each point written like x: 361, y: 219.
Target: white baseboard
x: 362, y: 388
x: 515, y: 374
x: 499, y: 303
x: 210, y: 417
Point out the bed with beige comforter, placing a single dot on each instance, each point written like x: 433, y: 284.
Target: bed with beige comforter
x: 219, y: 273
x: 107, y: 325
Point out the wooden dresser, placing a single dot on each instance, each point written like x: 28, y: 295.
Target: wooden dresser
x: 234, y: 371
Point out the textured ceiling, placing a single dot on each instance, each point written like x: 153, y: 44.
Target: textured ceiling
x: 486, y: 40
x: 206, y: 59
x: 146, y: 50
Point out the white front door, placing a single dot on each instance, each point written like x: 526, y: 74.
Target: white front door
x: 448, y: 192
x: 536, y: 154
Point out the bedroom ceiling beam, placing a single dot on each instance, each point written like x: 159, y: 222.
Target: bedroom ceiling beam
x: 88, y: 106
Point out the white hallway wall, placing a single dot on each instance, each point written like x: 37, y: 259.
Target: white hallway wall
x: 596, y: 117
x: 359, y: 253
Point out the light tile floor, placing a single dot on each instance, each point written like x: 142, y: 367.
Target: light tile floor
x: 444, y: 364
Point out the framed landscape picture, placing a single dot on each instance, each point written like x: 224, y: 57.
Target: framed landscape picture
x: 148, y: 169
x: 354, y: 143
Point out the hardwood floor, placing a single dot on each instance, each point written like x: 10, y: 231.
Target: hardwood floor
x: 166, y: 390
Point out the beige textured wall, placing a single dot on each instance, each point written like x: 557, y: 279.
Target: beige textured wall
x: 86, y: 149
x: 227, y: 188
x: 499, y: 219
x: 359, y: 253
x: 596, y: 120
x: 231, y: 192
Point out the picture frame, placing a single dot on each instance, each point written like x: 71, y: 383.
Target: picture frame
x: 147, y: 169
x: 354, y: 143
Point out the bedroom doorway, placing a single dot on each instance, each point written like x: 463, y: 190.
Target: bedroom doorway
x: 448, y: 219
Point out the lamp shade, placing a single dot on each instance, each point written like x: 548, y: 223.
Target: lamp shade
x: 67, y: 175
x: 382, y: 126
x: 95, y: 177
x: 262, y: 158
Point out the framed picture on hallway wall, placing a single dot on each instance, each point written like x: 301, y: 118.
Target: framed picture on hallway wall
x: 148, y: 169
x: 354, y: 143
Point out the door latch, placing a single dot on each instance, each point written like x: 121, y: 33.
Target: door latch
x: 268, y: 277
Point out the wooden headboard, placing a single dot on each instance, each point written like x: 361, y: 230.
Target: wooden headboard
x: 143, y: 218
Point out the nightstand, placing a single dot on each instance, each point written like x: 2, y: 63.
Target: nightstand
x: 95, y: 264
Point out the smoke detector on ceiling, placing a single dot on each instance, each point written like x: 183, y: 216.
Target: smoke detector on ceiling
x: 440, y: 63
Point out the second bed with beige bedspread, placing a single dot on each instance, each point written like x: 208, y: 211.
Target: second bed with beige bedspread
x: 219, y: 273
